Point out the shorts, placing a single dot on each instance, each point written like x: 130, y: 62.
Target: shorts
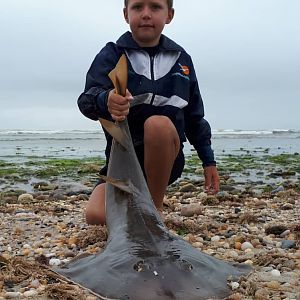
x: 139, y: 150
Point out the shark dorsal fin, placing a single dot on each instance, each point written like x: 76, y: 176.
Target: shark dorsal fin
x: 116, y: 132
x: 125, y: 186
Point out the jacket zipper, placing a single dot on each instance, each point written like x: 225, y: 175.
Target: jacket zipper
x: 152, y: 77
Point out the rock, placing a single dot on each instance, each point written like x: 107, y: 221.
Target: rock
x: 287, y: 244
x: 246, y: 245
x: 287, y: 206
x: 234, y: 285
x: 275, y: 273
x: 275, y: 229
x: 215, y: 238
x: 30, y: 293
x: 233, y: 254
x: 25, y: 198
x: 12, y: 295
x: 54, y: 262
x: 285, y: 233
x: 188, y: 188
x: 261, y: 294
x: 274, y: 285
x: 278, y: 189
x: 260, y: 204
x: 35, y: 283
x: 191, y: 209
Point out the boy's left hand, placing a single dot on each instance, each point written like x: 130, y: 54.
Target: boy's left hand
x: 211, y: 180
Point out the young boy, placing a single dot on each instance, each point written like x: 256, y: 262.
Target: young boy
x: 163, y: 104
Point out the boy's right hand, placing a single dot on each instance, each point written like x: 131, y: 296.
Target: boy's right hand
x: 118, y: 106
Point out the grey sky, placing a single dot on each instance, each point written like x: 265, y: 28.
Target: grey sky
x: 246, y: 55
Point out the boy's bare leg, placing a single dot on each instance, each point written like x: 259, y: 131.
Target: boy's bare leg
x: 95, y: 209
x: 161, y: 147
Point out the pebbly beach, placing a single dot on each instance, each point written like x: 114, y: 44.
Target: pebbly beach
x: 254, y: 219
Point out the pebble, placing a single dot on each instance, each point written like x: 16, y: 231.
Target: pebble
x: 54, y: 262
x: 234, y: 285
x: 215, y: 238
x: 275, y: 273
x: 287, y: 244
x: 25, y: 198
x: 246, y: 245
x: 261, y: 294
x: 12, y: 295
x: 30, y: 293
x: 191, y: 210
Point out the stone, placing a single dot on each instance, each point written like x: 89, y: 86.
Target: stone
x: 12, y: 295
x: 261, y: 294
x: 215, y: 238
x: 189, y: 187
x: 30, y: 293
x: 25, y: 198
x: 287, y: 244
x: 275, y: 273
x: 246, y: 245
x: 191, y: 210
x: 54, y: 262
x: 234, y: 285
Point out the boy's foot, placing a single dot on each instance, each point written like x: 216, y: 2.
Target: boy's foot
x: 161, y: 213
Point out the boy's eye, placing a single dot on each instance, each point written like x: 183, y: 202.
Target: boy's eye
x: 156, y: 6
x: 137, y: 7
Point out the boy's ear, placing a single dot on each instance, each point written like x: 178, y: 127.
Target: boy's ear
x: 170, y: 15
x: 125, y: 14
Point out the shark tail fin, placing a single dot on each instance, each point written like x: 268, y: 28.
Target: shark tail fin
x: 116, y: 132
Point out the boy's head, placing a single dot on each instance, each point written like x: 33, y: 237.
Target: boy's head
x: 169, y: 2
x: 147, y: 19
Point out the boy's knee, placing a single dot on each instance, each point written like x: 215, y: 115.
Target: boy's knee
x: 93, y: 217
x: 157, y: 128
x: 95, y: 208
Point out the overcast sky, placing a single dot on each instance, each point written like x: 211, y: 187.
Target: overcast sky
x: 245, y: 52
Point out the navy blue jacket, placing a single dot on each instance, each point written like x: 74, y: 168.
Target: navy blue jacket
x: 163, y: 84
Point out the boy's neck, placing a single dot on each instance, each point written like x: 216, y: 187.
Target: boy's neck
x: 147, y: 44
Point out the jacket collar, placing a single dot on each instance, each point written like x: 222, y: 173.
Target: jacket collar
x: 126, y: 41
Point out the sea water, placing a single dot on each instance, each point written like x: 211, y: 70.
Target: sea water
x: 21, y: 145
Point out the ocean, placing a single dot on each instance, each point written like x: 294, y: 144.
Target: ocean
x: 21, y: 145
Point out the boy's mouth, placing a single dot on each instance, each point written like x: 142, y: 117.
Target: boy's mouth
x: 146, y: 26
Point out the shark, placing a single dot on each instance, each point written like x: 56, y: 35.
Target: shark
x: 142, y: 260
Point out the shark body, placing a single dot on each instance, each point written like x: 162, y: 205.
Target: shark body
x: 142, y: 259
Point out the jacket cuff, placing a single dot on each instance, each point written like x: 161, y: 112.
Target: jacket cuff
x: 206, y: 154
x: 102, y: 103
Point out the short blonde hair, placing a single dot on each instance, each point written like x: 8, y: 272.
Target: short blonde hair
x: 170, y: 3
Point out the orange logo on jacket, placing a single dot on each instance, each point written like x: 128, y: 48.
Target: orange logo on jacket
x: 184, y: 69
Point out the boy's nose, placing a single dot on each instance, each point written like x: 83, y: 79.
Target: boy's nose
x: 146, y: 13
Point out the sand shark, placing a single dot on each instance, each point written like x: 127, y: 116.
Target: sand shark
x: 142, y: 260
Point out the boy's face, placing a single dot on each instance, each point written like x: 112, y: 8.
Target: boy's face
x: 147, y: 19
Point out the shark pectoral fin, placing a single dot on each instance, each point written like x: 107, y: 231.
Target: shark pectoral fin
x: 116, y: 132
x: 124, y: 186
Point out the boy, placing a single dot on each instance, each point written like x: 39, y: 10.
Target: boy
x: 163, y: 97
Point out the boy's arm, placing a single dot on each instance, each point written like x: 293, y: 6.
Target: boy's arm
x: 197, y: 129
x: 198, y: 132
x: 93, y: 101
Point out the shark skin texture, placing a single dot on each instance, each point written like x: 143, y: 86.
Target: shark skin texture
x: 142, y: 259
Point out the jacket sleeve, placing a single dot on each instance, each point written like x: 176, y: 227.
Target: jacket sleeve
x: 197, y: 129
x: 93, y: 101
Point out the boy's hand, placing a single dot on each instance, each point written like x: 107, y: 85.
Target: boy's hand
x: 118, y: 106
x: 211, y: 180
